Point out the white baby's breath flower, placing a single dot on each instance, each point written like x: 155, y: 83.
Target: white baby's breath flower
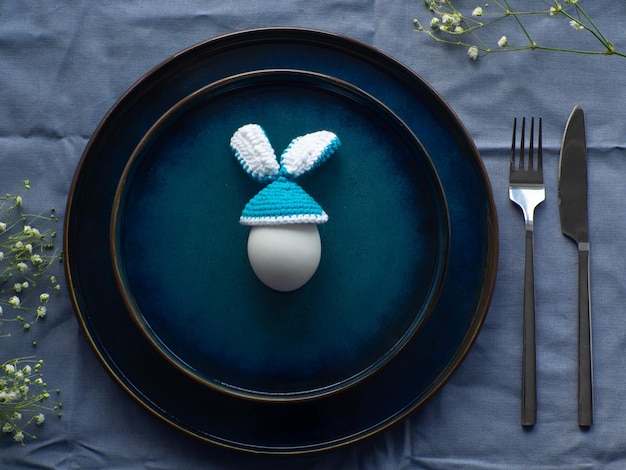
x: 44, y: 297
x: 503, y: 41
x: 577, y: 25
x: 21, y: 266
x: 41, y: 311
x: 36, y: 259
x: 14, y: 301
x: 18, y: 436
x: 472, y: 52
x: 434, y: 23
x: 18, y: 201
x: 6, y: 427
x: 555, y: 10
x: 9, y: 369
x: 39, y: 418
x: 478, y: 11
x: 451, y: 19
x: 3, y: 227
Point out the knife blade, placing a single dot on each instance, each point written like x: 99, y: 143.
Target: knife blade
x: 574, y: 224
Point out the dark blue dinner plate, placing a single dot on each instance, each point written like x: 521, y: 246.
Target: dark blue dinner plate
x: 188, y: 284
x: 416, y: 371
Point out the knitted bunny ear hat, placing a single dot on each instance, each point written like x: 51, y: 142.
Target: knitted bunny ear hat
x: 282, y: 201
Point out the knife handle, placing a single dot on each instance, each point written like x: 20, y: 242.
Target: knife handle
x: 529, y: 360
x: 585, y: 364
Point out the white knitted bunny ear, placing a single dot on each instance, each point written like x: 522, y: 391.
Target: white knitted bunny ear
x: 255, y: 153
x: 308, y: 151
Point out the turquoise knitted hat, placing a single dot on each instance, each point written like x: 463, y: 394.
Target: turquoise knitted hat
x: 283, y: 201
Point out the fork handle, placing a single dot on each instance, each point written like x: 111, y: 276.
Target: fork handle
x: 529, y: 360
x: 585, y: 366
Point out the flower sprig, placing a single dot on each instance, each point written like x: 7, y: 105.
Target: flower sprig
x: 23, y: 397
x: 450, y: 25
x: 27, y: 254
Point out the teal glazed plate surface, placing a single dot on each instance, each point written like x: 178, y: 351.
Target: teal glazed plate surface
x: 180, y: 253
x: 416, y: 371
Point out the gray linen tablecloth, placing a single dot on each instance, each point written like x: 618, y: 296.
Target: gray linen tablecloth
x: 65, y: 63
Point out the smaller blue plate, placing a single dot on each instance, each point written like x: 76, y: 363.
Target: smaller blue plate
x: 179, y: 252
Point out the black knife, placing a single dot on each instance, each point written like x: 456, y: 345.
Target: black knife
x: 574, y: 224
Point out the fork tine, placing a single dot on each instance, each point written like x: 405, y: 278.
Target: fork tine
x: 513, y: 144
x: 539, y: 150
x: 521, y: 147
x: 530, y: 144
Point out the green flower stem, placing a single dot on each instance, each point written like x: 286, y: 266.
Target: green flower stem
x: 594, y: 30
x: 521, y: 25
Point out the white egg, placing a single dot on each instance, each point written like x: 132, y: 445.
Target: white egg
x: 284, y: 257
